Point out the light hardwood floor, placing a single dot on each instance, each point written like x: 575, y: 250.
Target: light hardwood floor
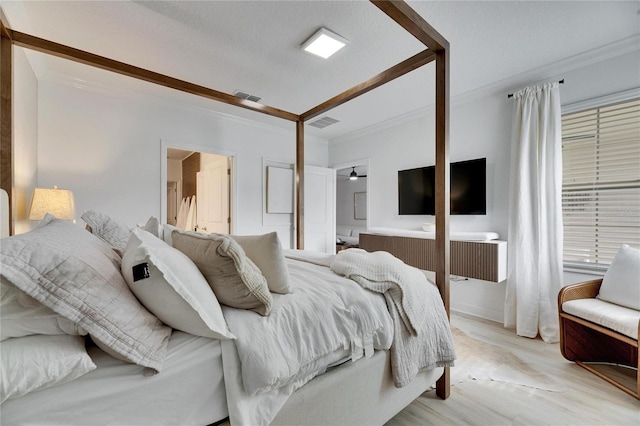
x: 588, y: 400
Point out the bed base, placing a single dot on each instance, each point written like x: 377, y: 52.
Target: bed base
x: 360, y: 393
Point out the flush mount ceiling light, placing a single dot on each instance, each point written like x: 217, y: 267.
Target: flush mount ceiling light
x: 324, y: 43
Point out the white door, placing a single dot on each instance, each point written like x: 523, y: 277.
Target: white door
x: 319, y: 209
x: 212, y: 194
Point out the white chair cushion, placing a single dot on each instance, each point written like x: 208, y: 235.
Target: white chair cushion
x: 621, y: 283
x: 617, y: 318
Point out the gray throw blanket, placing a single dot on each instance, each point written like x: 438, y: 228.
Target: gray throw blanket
x: 422, y: 335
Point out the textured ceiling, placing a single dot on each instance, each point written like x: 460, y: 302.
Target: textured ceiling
x: 253, y: 46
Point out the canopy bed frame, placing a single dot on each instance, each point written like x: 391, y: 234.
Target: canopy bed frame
x: 437, y: 51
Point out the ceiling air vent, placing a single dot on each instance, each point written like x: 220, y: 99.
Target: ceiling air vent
x: 246, y: 96
x: 323, y: 122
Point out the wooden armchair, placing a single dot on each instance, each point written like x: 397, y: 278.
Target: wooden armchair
x: 585, y: 341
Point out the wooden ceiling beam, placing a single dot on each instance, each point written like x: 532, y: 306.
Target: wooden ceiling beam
x: 415, y: 24
x: 408, y: 65
x: 83, y: 57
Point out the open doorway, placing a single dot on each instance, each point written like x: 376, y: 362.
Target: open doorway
x: 199, y: 190
x: 352, y: 207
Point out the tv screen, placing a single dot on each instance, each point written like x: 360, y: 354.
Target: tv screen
x: 416, y: 189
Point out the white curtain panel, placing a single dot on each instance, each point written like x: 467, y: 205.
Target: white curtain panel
x: 183, y: 212
x: 535, y: 240
x: 192, y: 215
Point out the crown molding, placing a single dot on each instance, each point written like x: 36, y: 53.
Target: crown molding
x: 414, y: 115
x: 534, y: 76
x: 544, y: 73
x: 612, y: 98
x: 502, y: 87
x: 160, y: 101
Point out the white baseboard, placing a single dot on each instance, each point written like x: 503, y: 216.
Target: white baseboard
x: 479, y: 311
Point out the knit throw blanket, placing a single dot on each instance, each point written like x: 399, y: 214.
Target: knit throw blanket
x: 422, y: 336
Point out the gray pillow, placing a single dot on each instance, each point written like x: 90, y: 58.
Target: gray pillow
x: 234, y: 278
x: 266, y: 252
x: 78, y: 276
x: 107, y: 229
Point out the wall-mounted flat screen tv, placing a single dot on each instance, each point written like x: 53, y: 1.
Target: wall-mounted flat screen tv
x: 416, y: 189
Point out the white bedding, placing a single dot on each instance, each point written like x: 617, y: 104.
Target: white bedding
x: 347, y: 239
x: 422, y: 339
x: 299, y: 339
x: 275, y: 355
x: 192, y: 388
x: 117, y: 393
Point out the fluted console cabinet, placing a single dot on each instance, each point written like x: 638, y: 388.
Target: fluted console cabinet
x: 482, y: 260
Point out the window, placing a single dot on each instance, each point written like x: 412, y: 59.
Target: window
x: 601, y: 183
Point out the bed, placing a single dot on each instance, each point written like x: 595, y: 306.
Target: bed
x: 316, y: 401
x: 246, y: 327
x: 348, y: 235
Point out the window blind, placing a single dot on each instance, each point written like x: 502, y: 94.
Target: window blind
x: 601, y: 183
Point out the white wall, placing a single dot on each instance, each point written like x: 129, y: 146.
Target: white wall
x: 345, y: 189
x: 106, y: 148
x: 25, y: 142
x: 174, y: 170
x: 480, y: 127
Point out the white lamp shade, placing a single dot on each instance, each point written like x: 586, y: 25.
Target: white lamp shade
x: 57, y: 202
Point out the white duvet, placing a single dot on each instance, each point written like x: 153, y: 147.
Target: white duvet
x: 323, y: 320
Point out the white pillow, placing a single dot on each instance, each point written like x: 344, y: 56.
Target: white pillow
x: 170, y: 285
x: 22, y: 315
x: 266, y: 252
x: 166, y: 233
x: 153, y: 227
x: 78, y: 276
x: 621, y: 283
x: 107, y: 229
x: 38, y: 362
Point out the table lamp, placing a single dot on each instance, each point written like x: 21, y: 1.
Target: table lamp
x: 57, y: 202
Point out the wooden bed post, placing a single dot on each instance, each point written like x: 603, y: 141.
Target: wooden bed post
x: 443, y: 386
x: 408, y: 19
x: 300, y: 184
x: 6, y: 117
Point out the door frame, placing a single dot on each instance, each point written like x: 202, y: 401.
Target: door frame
x: 233, y: 186
x: 361, y: 162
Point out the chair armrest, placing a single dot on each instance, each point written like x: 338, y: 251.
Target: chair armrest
x: 583, y: 290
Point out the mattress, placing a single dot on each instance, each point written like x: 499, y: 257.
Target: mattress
x: 189, y: 391
x: 360, y: 393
